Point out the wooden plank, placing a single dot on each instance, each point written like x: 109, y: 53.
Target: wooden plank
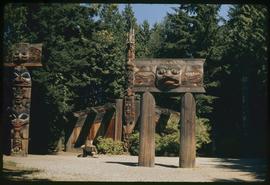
x: 75, y: 131
x: 147, y: 131
x: 85, y: 129
x: 93, y: 131
x: 110, y: 130
x: 23, y: 64
x: 118, y: 120
x: 106, y: 123
x: 187, y: 152
x: 181, y: 89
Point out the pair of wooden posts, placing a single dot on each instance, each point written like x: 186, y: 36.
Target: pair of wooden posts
x: 187, y: 153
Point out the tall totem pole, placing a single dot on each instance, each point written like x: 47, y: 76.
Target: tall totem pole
x: 21, y: 56
x: 129, y: 100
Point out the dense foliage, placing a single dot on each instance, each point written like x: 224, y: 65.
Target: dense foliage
x: 84, y: 48
x: 109, y: 146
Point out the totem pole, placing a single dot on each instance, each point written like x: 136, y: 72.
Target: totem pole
x: 129, y: 100
x: 21, y: 57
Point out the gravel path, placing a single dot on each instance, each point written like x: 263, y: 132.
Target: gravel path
x: 69, y: 167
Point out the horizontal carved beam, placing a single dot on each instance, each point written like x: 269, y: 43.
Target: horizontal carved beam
x: 168, y: 75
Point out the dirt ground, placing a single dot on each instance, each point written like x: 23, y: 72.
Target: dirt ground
x: 69, y: 167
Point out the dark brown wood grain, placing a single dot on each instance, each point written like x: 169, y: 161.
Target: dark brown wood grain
x: 118, y: 120
x: 75, y: 132
x: 23, y: 64
x: 147, y: 131
x: 181, y: 89
x: 110, y: 130
x: 187, y: 132
x: 94, y: 130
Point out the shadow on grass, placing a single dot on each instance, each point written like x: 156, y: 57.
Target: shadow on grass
x: 257, y: 168
x: 20, y: 175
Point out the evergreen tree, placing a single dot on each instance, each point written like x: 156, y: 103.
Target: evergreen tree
x: 142, y: 40
x: 191, y: 32
x: 156, y: 39
x: 81, y: 65
x: 129, y: 18
x: 244, y: 80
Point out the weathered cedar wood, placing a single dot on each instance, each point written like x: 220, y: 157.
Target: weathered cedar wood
x: 110, y: 130
x: 147, y: 131
x: 118, y: 120
x: 187, y: 132
x: 76, y: 132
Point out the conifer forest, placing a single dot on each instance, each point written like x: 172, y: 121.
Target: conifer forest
x: 84, y: 55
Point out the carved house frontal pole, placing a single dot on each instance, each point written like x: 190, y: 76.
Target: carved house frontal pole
x: 21, y: 57
x: 175, y: 76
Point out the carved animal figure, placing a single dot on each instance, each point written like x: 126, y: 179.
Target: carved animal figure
x: 168, y: 77
x: 21, y: 76
x: 18, y: 121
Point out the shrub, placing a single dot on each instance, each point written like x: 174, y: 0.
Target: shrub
x: 168, y: 141
x: 168, y: 145
x: 202, y: 132
x: 134, y: 143
x: 108, y: 146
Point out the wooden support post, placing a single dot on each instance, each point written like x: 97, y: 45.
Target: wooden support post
x: 118, y: 120
x: 147, y: 131
x: 187, y: 132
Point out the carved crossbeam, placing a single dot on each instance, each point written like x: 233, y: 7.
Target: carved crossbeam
x: 168, y: 75
x: 24, y: 54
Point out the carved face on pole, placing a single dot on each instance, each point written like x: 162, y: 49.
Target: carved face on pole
x: 18, y: 132
x: 20, y: 109
x: 19, y: 120
x: 168, y: 77
x: 21, y: 77
x: 20, y: 53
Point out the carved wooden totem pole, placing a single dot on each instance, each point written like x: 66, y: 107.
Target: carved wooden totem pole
x: 129, y: 100
x: 173, y: 76
x: 21, y: 57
